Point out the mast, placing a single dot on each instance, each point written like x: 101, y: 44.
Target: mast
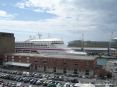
x: 82, y: 42
x: 39, y: 35
x: 109, y: 46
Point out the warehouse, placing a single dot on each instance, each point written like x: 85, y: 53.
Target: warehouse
x: 71, y: 64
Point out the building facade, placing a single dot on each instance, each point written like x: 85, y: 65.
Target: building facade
x: 93, y: 44
x: 95, y: 47
x: 7, y: 44
x: 81, y: 65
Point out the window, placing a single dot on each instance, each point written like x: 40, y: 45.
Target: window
x: 27, y: 59
x: 87, y: 63
x: 35, y: 67
x: 12, y: 56
x: 44, y: 61
x: 6, y: 59
x: 12, y: 59
x: 45, y: 68
x: 64, y: 63
x: 54, y: 69
x: 75, y: 71
x: 19, y: 60
x: 5, y: 56
x: 87, y: 72
x: 35, y: 61
x: 64, y: 70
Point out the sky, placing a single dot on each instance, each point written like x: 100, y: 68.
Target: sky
x: 66, y: 19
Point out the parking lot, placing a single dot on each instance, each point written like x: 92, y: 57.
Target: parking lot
x: 13, y: 78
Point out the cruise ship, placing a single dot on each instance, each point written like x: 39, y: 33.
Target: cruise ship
x: 50, y: 45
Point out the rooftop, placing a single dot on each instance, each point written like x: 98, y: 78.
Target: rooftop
x: 109, y: 57
x: 93, y: 48
x: 5, y: 34
x: 55, y: 56
x: 49, y: 39
x: 112, y: 61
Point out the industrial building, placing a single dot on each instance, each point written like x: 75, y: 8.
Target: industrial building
x: 95, y: 47
x: 7, y: 44
x: 92, y: 44
x: 68, y: 64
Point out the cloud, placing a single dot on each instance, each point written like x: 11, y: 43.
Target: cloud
x: 69, y: 14
x: 41, y: 5
x: 5, y: 15
x: 90, y: 16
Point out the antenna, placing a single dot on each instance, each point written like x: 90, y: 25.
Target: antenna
x: 39, y: 35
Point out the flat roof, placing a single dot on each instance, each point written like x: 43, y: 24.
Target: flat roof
x: 18, y: 64
x: 49, y: 39
x: 93, y: 48
x: 108, y: 57
x: 65, y: 56
x: 111, y: 61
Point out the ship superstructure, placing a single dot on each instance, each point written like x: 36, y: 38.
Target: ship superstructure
x: 51, y: 45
